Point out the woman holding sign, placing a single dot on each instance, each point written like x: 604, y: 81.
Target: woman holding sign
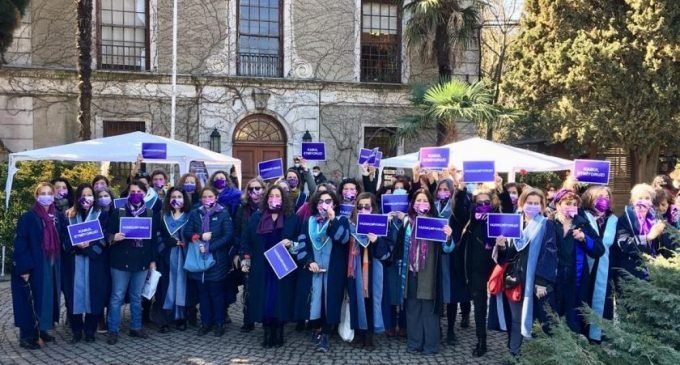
x: 85, y: 269
x: 421, y: 283
x: 321, y: 283
x: 211, y: 230
x: 530, y: 273
x: 269, y: 299
x: 577, y: 244
x: 36, y: 272
x: 132, y: 252
x: 365, y: 274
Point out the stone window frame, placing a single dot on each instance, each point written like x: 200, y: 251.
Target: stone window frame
x: 366, y: 39
x: 149, y: 35
x: 279, y: 68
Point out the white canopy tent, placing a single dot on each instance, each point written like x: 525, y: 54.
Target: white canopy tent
x: 508, y: 159
x: 122, y: 148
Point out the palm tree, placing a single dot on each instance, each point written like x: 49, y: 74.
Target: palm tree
x: 439, y: 30
x: 449, y: 102
x: 84, y: 44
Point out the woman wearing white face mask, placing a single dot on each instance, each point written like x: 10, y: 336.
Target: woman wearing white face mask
x: 529, y: 276
x: 510, y: 197
x: 85, y: 270
x: 577, y: 242
x: 638, y: 232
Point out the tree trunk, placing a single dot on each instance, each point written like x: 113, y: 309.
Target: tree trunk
x: 446, y: 132
x: 84, y: 44
x: 644, y: 164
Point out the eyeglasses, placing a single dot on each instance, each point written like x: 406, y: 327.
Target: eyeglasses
x: 254, y: 188
x: 326, y: 201
x: 364, y: 207
x: 484, y: 202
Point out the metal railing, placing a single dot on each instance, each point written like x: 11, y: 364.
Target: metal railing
x: 261, y: 65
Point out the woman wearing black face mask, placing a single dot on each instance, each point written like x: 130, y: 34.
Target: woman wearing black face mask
x: 85, y: 270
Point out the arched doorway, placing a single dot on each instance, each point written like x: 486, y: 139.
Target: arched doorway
x: 258, y: 138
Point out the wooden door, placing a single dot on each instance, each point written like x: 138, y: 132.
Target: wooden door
x: 250, y: 155
x: 258, y: 138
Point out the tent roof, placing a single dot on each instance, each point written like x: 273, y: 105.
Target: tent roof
x: 125, y: 148
x: 507, y: 158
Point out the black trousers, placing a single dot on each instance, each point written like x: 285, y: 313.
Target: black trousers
x: 84, y: 323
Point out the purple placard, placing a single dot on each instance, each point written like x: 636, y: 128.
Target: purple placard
x: 378, y: 158
x: 364, y: 156
x: 394, y: 203
x: 85, y: 232
x: 155, y: 151
x: 434, y: 158
x: 138, y: 228
x: 431, y: 229
x: 372, y: 223
x: 592, y: 171
x: 119, y: 203
x: 479, y: 171
x: 346, y: 210
x: 506, y: 225
x: 270, y: 169
x: 314, y: 151
x: 280, y: 260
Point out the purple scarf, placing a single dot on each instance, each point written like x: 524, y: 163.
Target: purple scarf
x: 205, y: 221
x: 267, y: 223
x: 413, y: 256
x: 136, y: 212
x: 50, y: 242
x: 645, y: 222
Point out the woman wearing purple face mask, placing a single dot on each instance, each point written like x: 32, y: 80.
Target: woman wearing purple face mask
x: 419, y: 261
x: 36, y: 271
x: 577, y: 244
x: 190, y: 183
x: 100, y: 182
x: 211, y: 228
x: 172, y: 298
x: 349, y: 190
x: 130, y: 258
x: 638, y: 231
x: 63, y: 194
x: 85, y: 271
x: 365, y: 274
x: 268, y: 300
x: 294, y: 178
x: 250, y: 204
x: 323, y: 268
x: 597, y: 204
x: 531, y: 272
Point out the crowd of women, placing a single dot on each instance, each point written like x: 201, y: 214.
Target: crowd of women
x: 570, y: 248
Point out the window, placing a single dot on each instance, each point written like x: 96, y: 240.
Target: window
x: 123, y: 35
x: 121, y: 170
x: 383, y: 138
x: 380, y: 42
x: 259, y: 38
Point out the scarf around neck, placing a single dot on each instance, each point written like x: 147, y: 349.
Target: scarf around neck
x: 50, y: 242
x: 267, y: 223
x: 417, y: 250
x: 136, y: 212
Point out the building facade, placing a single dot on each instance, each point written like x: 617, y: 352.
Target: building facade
x: 259, y: 72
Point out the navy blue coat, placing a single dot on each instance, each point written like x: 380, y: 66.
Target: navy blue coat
x: 100, y: 273
x: 28, y: 259
x: 253, y: 244
x: 222, y: 239
x: 336, y: 272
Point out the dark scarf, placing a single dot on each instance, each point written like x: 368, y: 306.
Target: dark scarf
x: 205, y: 221
x: 136, y: 212
x: 249, y: 209
x: 267, y: 223
x: 50, y: 242
x: 413, y: 249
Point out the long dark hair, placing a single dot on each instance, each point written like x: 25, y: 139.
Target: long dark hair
x: 286, y: 204
x: 362, y: 196
x: 411, y: 211
x: 226, y: 176
x: 314, y: 201
x: 79, y: 191
x: 187, y: 200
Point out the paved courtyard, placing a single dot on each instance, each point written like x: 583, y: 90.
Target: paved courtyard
x: 233, y: 348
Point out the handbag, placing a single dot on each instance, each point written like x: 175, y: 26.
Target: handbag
x: 513, y: 274
x: 496, y: 283
x: 197, y: 261
x: 151, y: 284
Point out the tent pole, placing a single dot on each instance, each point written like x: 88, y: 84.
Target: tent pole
x: 511, y: 175
x: 174, y: 70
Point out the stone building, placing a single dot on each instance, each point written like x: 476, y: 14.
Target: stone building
x: 259, y: 72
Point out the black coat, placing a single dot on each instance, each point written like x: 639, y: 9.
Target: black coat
x: 478, y: 263
x: 123, y: 255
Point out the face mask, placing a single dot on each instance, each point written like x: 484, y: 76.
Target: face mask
x: 274, y: 203
x: 443, y: 194
x: 323, y: 209
x: 349, y: 195
x: 297, y: 165
x: 421, y: 208
x: 62, y: 193
x: 45, y: 200
x: 177, y: 203
x: 104, y: 201
x: 531, y: 210
x: 99, y: 186
x: 189, y: 187
x: 602, y: 204
x: 315, y: 173
x: 292, y: 182
x: 570, y: 211
x: 481, y: 211
x: 255, y: 195
x: 136, y: 198
x: 86, y: 201
x: 513, y: 198
x: 208, y: 202
x: 159, y: 184
x: 399, y: 191
x: 219, y: 184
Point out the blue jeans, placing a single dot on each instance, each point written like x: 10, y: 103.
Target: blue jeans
x: 132, y: 283
x: 213, y: 303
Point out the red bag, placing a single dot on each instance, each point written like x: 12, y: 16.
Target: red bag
x: 515, y: 293
x: 496, y: 283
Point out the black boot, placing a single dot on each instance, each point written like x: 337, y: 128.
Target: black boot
x: 278, y: 336
x: 450, y: 336
x: 368, y: 341
x: 480, y: 349
x: 267, y: 341
x: 465, y: 319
